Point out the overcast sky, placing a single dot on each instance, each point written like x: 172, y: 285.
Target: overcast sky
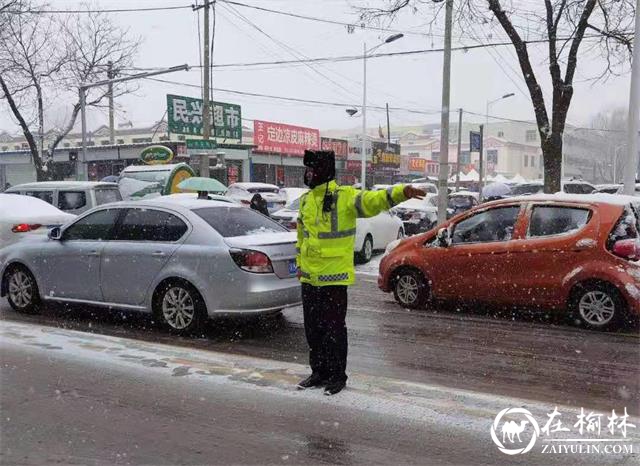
x: 410, y: 82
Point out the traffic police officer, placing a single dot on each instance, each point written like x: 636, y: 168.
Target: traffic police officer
x: 326, y: 237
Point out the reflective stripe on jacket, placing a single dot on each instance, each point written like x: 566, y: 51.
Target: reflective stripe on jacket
x: 326, y: 239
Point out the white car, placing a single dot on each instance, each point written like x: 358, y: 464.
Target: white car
x: 25, y: 216
x: 371, y: 233
x: 291, y: 194
x: 243, y: 192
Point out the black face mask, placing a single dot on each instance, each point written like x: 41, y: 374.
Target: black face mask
x: 321, y: 168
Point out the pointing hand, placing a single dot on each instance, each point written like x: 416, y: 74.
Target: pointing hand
x: 413, y: 193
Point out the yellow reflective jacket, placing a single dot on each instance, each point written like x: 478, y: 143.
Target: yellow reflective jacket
x: 326, y: 239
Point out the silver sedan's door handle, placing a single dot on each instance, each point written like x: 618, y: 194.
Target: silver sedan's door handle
x: 93, y: 253
x: 158, y: 254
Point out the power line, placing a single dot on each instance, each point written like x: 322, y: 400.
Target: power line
x: 533, y: 123
x: 295, y: 99
x: 322, y: 20
x: 107, y: 10
x: 345, y: 58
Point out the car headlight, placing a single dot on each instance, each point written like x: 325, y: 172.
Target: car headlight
x: 392, y: 245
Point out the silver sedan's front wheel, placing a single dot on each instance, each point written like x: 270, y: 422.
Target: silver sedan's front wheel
x: 22, y: 291
x: 179, y: 307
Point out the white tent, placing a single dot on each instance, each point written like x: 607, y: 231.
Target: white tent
x: 517, y: 179
x: 472, y: 176
x: 499, y: 178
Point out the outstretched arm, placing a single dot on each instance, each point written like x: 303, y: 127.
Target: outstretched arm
x: 371, y: 203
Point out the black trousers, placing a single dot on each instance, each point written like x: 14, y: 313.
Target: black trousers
x: 325, y: 310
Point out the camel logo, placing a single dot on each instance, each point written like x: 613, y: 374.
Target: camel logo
x: 513, y: 432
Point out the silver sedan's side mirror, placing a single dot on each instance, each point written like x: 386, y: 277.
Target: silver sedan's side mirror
x: 55, y: 234
x: 443, y: 237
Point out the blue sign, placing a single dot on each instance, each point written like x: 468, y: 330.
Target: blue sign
x: 476, y: 141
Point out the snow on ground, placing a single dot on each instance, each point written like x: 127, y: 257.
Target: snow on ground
x: 470, y: 411
x: 370, y: 268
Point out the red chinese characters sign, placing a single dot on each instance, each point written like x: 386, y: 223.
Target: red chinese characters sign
x: 339, y: 146
x: 417, y: 164
x: 284, y: 139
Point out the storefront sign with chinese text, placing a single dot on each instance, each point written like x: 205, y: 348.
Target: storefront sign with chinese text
x: 386, y: 156
x: 417, y: 164
x: 184, y: 115
x: 339, y: 146
x: 279, y: 138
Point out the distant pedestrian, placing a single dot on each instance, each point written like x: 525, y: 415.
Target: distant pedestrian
x: 258, y: 203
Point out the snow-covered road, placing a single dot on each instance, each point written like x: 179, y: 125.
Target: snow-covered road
x: 75, y: 397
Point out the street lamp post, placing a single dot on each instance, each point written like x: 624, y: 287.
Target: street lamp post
x: 83, y: 88
x: 363, y: 172
x: 486, y: 132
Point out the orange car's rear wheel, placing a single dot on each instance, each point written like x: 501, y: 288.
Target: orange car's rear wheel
x: 598, y: 305
x: 410, y: 288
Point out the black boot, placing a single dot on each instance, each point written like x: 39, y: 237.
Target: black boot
x: 313, y: 381
x: 333, y: 388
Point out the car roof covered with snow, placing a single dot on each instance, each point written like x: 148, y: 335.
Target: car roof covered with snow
x: 254, y: 185
x: 596, y: 198
x: 151, y: 168
x: 62, y: 185
x: 19, y: 206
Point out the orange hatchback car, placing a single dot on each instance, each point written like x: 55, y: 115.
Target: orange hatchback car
x: 575, y: 253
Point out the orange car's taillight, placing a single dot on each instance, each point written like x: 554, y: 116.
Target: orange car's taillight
x: 626, y: 248
x: 25, y: 227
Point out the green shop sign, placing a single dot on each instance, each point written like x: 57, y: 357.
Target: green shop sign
x: 201, y: 144
x: 156, y: 155
x: 184, y: 115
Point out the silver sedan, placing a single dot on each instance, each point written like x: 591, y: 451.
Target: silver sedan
x: 183, y: 259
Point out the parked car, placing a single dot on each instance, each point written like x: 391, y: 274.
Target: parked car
x: 371, y: 233
x: 564, y: 252
x: 73, y: 197
x: 461, y: 201
x: 26, y: 216
x: 243, y: 192
x: 418, y: 215
x: 291, y: 194
x: 537, y: 187
x: 609, y: 188
x: 181, y: 259
x: 148, y: 181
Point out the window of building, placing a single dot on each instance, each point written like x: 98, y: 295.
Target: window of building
x: 140, y: 140
x: 91, y: 143
x: 25, y: 145
x: 492, y: 156
x: 533, y: 161
x: 500, y: 134
x: 17, y: 147
x: 465, y: 157
x: 526, y: 160
x: 164, y: 138
x: 67, y: 144
x: 435, y: 155
x: 105, y: 142
x: 5, y: 148
x: 181, y: 138
x: 531, y: 135
x: 120, y: 141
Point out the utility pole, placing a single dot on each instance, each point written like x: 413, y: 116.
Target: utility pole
x: 112, y: 130
x: 443, y: 174
x: 82, y: 91
x: 459, y: 149
x: 634, y: 102
x: 363, y: 171
x: 206, y: 110
x: 481, y: 177
x: 388, y: 130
